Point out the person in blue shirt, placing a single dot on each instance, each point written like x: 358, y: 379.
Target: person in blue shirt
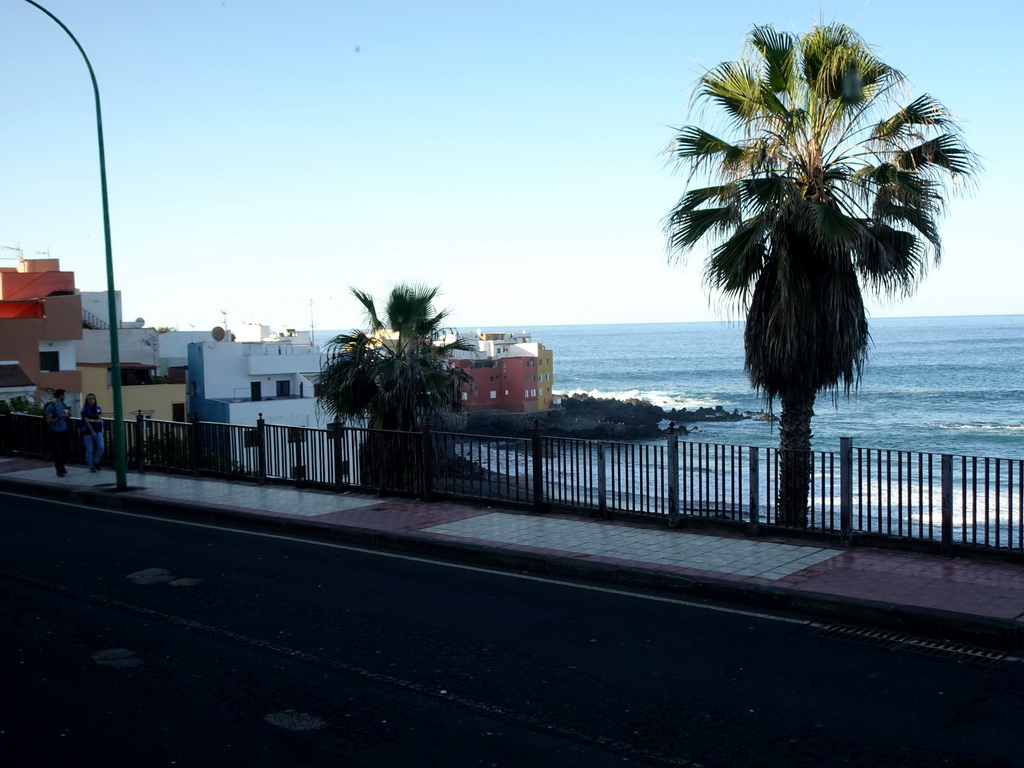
x: 92, y: 432
x: 56, y: 415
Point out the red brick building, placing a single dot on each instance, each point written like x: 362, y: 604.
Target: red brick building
x: 510, y: 373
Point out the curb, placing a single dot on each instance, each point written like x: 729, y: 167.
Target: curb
x: 950, y: 625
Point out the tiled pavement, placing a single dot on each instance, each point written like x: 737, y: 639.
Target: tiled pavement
x: 729, y: 556
x: 977, y: 599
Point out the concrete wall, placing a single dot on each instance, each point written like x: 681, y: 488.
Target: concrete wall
x: 96, y: 304
x: 135, y: 345
x: 290, y: 413
x: 172, y: 347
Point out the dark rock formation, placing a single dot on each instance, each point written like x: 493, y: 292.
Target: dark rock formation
x: 593, y: 418
x: 718, y: 413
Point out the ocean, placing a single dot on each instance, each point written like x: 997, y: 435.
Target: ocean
x: 940, y: 384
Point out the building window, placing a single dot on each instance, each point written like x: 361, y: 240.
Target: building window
x: 494, y: 394
x: 284, y: 388
x: 465, y: 396
x: 192, y: 389
x: 49, y: 361
x: 533, y: 393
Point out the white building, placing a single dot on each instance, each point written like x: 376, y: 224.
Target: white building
x: 232, y: 382
x: 249, y: 332
x: 172, y: 348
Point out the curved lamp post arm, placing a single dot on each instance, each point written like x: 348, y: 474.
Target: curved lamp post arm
x: 120, y: 464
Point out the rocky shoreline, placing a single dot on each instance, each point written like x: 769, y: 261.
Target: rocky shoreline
x: 595, y: 418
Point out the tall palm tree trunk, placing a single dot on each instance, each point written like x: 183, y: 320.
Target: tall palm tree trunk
x: 795, y: 458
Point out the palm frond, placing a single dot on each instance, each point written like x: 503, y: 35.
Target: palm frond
x: 778, y: 50
x: 692, y: 143
x: 688, y: 227
x: 736, y: 88
x: 768, y: 192
x: 733, y: 267
x: 832, y: 227
x: 946, y: 152
x: 923, y: 111
x: 891, y: 261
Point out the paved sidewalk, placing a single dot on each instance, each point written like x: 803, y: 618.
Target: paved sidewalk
x: 969, y: 600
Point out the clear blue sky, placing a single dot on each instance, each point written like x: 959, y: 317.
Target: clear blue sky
x: 263, y: 154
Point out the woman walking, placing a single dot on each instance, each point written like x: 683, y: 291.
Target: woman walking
x: 92, y: 433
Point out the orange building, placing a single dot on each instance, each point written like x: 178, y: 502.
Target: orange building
x: 40, y: 321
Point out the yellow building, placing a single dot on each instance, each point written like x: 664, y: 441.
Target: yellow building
x: 163, y: 402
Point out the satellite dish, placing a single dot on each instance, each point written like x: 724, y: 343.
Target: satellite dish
x: 140, y: 321
x: 217, y: 333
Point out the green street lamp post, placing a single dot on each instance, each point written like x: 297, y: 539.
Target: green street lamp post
x: 120, y: 463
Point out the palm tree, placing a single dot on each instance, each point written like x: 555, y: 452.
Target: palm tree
x: 397, y: 372
x: 822, y: 186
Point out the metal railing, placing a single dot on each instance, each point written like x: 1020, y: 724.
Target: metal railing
x: 941, y: 500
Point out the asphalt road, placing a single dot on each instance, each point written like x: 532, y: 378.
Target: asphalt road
x: 127, y: 641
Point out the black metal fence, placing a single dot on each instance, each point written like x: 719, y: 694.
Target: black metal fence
x: 944, y: 499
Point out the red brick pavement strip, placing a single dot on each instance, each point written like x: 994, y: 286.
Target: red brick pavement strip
x: 977, y: 600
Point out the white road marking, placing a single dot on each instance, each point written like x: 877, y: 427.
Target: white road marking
x: 426, y: 560
x: 185, y: 582
x: 151, y: 576
x: 119, y: 658
x: 295, y: 721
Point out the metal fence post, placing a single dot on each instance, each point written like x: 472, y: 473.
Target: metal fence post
x: 846, y: 491
x: 538, y: 467
x: 672, y: 486
x: 602, y: 484
x: 754, y: 525
x: 6, y: 434
x: 261, y: 450
x: 427, y: 456
x: 947, y: 505
x: 297, y: 439
x: 197, y: 443
x: 337, y: 437
x: 140, y: 442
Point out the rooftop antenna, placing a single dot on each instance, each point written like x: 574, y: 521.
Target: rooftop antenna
x: 312, y: 326
x: 16, y: 249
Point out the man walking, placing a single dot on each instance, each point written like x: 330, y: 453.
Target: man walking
x: 56, y: 415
